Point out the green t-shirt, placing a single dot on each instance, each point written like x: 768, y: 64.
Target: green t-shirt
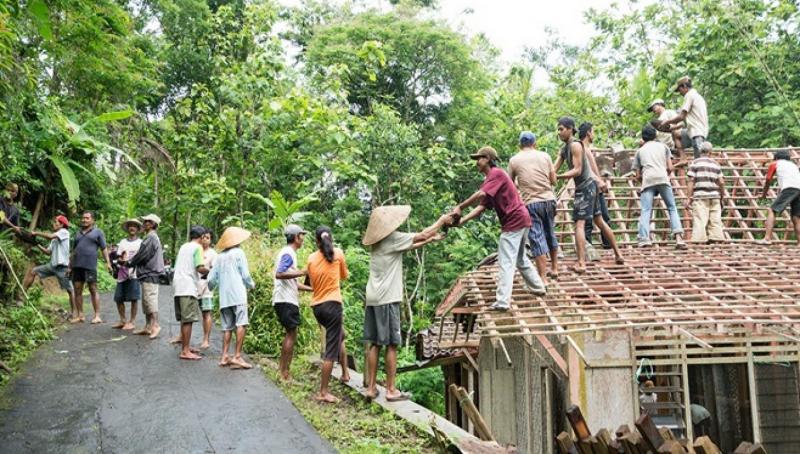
x: 385, y: 283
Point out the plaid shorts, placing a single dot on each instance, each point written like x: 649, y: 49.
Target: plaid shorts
x: 542, y: 234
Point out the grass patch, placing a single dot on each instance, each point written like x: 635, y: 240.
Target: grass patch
x: 23, y: 329
x: 353, y: 425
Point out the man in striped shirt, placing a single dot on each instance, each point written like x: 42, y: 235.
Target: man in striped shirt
x: 706, y: 190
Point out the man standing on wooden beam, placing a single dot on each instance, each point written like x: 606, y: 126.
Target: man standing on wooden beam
x: 385, y: 289
x: 586, y: 206
x: 693, y: 111
x: 789, y: 196
x: 499, y: 193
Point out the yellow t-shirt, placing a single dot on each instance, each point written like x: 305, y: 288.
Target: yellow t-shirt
x: 325, y: 276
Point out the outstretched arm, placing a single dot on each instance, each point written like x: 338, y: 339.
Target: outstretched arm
x: 426, y: 236
x: 472, y: 214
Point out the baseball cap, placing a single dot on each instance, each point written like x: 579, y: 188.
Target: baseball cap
x: 485, y: 152
x: 655, y: 101
x: 61, y: 219
x: 293, y: 229
x: 527, y: 138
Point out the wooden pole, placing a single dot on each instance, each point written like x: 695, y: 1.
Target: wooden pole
x: 481, y: 428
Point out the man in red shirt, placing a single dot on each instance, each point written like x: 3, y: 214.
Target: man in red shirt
x: 498, y: 193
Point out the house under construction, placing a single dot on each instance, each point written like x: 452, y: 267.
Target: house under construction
x: 714, y: 329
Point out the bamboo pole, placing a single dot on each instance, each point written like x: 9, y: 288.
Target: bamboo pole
x: 481, y: 428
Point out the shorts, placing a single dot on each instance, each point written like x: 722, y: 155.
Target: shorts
x: 128, y: 290
x: 84, y: 275
x: 149, y: 297
x: 382, y: 325
x: 59, y: 272
x: 233, y: 316
x: 207, y: 304
x: 789, y: 197
x: 542, y: 234
x: 329, y: 316
x: 186, y: 309
x: 586, y: 206
x: 288, y: 314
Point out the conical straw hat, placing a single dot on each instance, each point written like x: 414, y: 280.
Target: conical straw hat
x: 383, y: 221
x: 232, y: 236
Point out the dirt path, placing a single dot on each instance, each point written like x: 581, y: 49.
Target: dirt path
x: 92, y: 390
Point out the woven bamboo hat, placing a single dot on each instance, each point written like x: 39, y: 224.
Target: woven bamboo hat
x: 133, y: 221
x: 232, y: 236
x: 383, y: 221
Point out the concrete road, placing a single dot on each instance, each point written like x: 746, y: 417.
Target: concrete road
x: 93, y: 390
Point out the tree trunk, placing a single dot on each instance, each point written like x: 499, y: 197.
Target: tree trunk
x: 37, y: 211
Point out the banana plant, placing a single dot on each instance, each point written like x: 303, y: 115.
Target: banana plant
x: 284, y: 211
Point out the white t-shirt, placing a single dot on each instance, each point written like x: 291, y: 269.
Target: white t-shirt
x: 385, y: 284
x: 128, y: 249
x: 59, y: 248
x: 187, y: 279
x: 666, y: 137
x: 696, y: 114
x: 788, y: 174
x: 209, y: 255
x: 652, y: 159
x: 285, y: 290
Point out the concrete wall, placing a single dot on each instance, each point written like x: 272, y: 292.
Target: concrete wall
x: 606, y: 393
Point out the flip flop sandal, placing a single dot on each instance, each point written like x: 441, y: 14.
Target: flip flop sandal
x: 403, y: 396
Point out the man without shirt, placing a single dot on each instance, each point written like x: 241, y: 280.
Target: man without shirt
x: 693, y: 111
x: 499, y: 194
x: 83, y: 262
x: 533, y: 172
x: 58, y: 250
x: 188, y: 269
x: 286, y: 294
x: 385, y: 289
x: 586, y: 207
x: 149, y: 266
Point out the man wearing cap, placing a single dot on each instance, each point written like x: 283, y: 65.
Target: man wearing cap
x: 149, y: 265
x: 128, y: 288
x: 533, y: 172
x: 286, y: 295
x: 499, y: 193
x: 83, y: 262
x: 586, y: 207
x: 385, y: 288
x: 693, y: 111
x: 58, y: 250
x: 189, y: 267
x: 231, y: 276
x: 673, y: 139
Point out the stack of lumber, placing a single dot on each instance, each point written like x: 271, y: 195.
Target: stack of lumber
x: 644, y: 438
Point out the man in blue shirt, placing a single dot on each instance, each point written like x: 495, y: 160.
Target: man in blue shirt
x: 83, y: 262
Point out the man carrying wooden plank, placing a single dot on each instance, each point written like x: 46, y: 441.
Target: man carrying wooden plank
x: 499, y: 193
x: 385, y: 288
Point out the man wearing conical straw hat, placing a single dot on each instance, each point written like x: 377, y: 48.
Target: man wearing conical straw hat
x: 231, y: 276
x: 385, y: 288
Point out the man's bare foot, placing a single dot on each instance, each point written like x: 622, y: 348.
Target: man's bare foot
x: 190, y: 356
x: 285, y: 377
x: 142, y: 332
x: 128, y: 326
x: 154, y: 332
x: 225, y: 361
x: 76, y: 320
x: 239, y: 363
x: 327, y: 398
x: 118, y: 325
x: 344, y: 378
x: 371, y: 395
x: 175, y: 340
x: 97, y: 320
x: 205, y: 345
x: 619, y: 260
x: 194, y: 350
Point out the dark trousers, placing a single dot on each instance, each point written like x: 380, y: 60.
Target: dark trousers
x: 589, y: 228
